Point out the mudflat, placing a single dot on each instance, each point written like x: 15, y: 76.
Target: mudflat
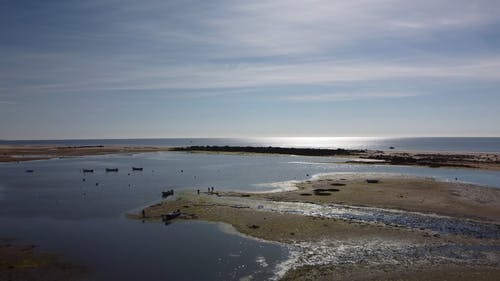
x: 22, y: 262
x: 318, y: 221
x: 27, y: 153
x: 407, y: 193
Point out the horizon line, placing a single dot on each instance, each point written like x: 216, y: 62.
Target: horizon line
x: 254, y: 137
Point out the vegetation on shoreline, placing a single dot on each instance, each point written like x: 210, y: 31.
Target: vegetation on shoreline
x: 23, y: 263
x: 274, y: 150
x: 429, y: 159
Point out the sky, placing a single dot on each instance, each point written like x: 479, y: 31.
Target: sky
x: 159, y: 68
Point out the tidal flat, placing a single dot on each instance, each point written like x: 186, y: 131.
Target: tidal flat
x: 362, y: 226
x: 297, y: 217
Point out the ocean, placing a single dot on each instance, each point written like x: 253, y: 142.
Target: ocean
x: 454, y: 144
x: 63, y: 211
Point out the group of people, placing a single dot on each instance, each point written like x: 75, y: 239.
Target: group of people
x: 210, y: 190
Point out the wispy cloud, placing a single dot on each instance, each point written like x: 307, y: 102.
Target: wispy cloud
x: 286, y: 50
x: 7, y: 102
x: 228, y: 44
x: 74, y: 75
x: 352, y: 96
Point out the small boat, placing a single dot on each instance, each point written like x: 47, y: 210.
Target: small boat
x: 136, y: 168
x: 111, y: 169
x: 391, y: 147
x: 172, y: 215
x: 168, y: 193
x: 371, y: 181
x: 88, y: 170
x: 30, y: 171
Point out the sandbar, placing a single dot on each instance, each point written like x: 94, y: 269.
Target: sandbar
x: 340, y: 248
x: 29, y: 153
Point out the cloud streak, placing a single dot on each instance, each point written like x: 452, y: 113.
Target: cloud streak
x: 119, y: 76
x: 228, y: 44
x: 349, y: 96
x: 272, y: 55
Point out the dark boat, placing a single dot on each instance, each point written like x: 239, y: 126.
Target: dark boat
x: 88, y: 170
x: 30, y: 171
x: 136, y: 169
x: 371, y: 181
x: 168, y: 193
x: 111, y: 169
x: 172, y: 215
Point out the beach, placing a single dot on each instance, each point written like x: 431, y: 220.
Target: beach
x: 250, y: 140
x: 392, y: 250
x: 342, y: 226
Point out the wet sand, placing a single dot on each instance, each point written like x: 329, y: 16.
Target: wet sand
x: 375, y: 249
x: 407, y: 193
x: 23, y: 263
x: 363, y: 272
x: 328, y: 248
x: 28, y: 153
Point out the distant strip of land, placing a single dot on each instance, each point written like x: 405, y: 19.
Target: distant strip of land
x: 489, y: 161
x: 391, y: 157
x: 28, y: 153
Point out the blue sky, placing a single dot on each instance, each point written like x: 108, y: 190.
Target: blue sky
x: 125, y: 69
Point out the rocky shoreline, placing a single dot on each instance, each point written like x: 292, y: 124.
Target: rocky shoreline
x: 378, y: 157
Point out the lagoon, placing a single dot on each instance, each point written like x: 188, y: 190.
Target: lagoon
x: 63, y: 210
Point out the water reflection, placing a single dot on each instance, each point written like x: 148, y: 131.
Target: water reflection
x: 81, y: 214
x: 119, y: 249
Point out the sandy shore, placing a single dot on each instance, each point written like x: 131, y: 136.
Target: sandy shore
x: 27, y: 153
x: 23, y: 263
x: 341, y: 227
x: 334, y: 245
x: 398, y: 192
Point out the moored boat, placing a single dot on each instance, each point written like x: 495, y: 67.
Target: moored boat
x: 168, y: 193
x: 171, y: 215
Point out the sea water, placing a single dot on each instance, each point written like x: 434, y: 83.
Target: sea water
x: 457, y: 144
x: 82, y: 215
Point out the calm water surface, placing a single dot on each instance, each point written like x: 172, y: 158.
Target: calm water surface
x: 63, y: 210
x: 409, y: 143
